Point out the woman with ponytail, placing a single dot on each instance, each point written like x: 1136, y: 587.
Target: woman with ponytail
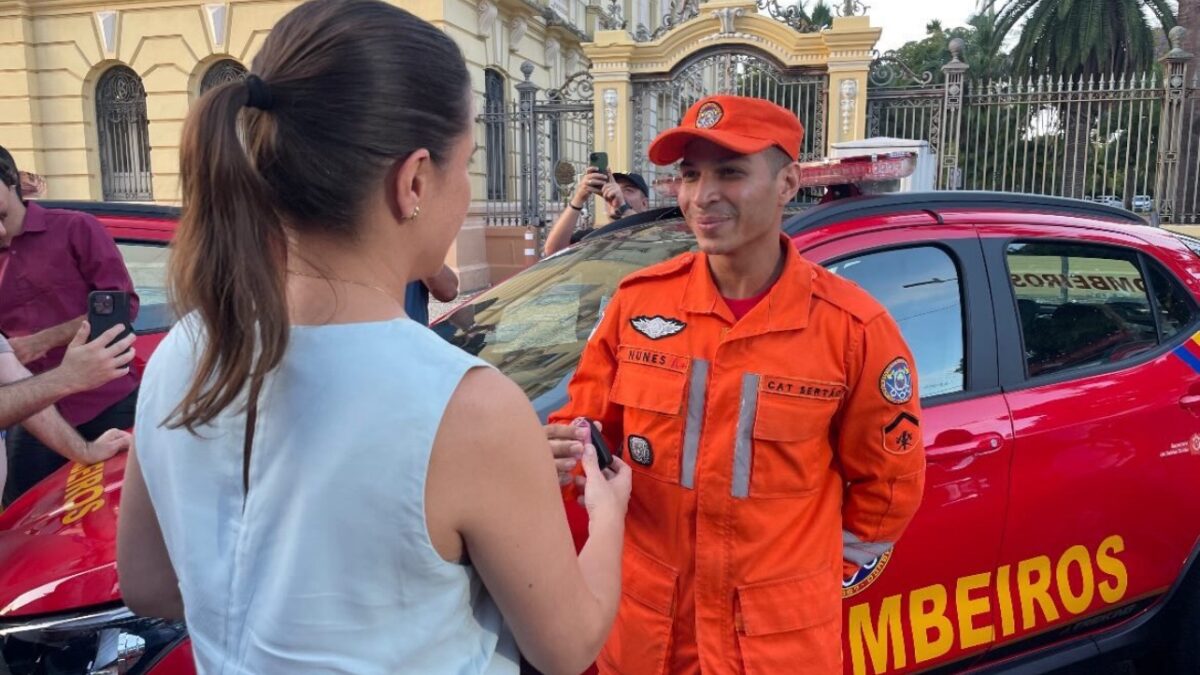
x: 318, y: 483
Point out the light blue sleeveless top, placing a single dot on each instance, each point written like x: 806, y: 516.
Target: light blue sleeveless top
x: 329, y: 568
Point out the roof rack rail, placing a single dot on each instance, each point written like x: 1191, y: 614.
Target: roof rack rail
x: 932, y: 202
x: 117, y: 209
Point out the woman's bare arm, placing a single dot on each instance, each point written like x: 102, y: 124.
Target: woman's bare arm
x: 493, y: 487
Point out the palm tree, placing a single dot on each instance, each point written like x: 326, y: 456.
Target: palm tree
x: 821, y: 15
x: 1079, y: 40
x: 1081, y: 37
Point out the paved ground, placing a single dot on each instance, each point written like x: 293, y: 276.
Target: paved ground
x: 437, y: 309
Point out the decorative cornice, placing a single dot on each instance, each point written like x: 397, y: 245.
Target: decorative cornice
x: 52, y: 7
x: 789, y: 47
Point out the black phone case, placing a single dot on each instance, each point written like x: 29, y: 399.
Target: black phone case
x: 603, y: 454
x: 119, y: 316
x: 594, y: 160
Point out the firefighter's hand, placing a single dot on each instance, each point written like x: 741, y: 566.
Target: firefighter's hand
x: 566, y: 444
x: 605, y: 493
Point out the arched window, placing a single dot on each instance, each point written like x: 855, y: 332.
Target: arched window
x: 124, y: 136
x: 495, y: 125
x: 225, y: 70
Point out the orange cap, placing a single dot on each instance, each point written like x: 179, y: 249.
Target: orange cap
x: 739, y: 123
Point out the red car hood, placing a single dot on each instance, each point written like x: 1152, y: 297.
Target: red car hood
x: 58, y: 542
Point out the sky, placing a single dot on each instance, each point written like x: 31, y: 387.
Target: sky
x: 904, y: 20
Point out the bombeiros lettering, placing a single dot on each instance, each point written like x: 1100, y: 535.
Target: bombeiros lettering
x: 84, y: 493
x: 1028, y: 596
x: 1091, y: 282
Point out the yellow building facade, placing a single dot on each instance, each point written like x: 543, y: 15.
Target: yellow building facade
x: 94, y: 93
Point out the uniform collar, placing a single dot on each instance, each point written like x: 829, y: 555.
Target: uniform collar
x: 785, y: 307
x: 35, y: 218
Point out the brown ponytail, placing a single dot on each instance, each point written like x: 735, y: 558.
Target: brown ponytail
x: 228, y: 261
x: 344, y: 90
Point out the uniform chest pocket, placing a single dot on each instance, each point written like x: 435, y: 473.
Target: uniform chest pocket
x: 651, y: 387
x: 791, y: 448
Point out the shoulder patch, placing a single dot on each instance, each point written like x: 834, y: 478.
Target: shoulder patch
x: 895, y: 382
x: 845, y: 295
x: 679, y: 263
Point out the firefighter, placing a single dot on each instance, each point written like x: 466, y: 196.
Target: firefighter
x: 769, y: 410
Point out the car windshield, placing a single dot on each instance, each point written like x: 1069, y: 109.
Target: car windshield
x: 534, y: 326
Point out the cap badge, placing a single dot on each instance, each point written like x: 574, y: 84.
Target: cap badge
x: 709, y: 114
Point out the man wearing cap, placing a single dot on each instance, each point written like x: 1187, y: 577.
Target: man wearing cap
x: 624, y: 194
x: 50, y: 260
x: 769, y: 411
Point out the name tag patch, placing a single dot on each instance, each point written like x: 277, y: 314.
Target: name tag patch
x: 788, y: 386
x: 650, y: 357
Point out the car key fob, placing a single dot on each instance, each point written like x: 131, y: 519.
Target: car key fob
x: 603, y: 453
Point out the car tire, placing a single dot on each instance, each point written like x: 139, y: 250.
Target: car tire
x: 1183, y: 628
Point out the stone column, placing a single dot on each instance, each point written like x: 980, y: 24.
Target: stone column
x: 850, y: 42
x: 611, y: 54
x: 1171, y: 130
x: 950, y: 178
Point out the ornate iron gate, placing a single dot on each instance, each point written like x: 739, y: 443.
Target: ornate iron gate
x: 1120, y: 139
x: 660, y: 102
x: 537, y: 149
x: 225, y: 70
x: 124, y: 136
x: 904, y: 104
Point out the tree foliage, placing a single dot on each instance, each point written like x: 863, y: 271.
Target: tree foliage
x: 1081, y: 37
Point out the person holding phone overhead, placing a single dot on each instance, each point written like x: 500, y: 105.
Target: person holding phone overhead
x: 318, y: 483
x: 624, y: 194
x: 50, y: 260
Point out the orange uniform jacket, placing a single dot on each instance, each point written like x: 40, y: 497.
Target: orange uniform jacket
x: 764, y: 453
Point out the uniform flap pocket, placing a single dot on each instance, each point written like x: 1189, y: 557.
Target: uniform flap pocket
x: 789, y: 604
x: 648, y: 581
x: 650, y: 380
x: 783, y: 417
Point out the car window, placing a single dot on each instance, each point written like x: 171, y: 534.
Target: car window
x: 1079, y: 305
x: 1176, y: 310
x: 920, y: 288
x: 147, y: 265
x: 534, y: 326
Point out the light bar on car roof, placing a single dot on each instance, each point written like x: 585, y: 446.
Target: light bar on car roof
x: 857, y: 169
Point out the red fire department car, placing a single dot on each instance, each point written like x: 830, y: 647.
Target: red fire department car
x: 1058, y: 353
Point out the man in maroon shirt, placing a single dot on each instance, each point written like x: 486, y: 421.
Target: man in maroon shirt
x: 49, y: 261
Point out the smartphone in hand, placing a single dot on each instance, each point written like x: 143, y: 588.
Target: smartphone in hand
x: 599, y: 160
x: 603, y: 453
x: 107, y: 309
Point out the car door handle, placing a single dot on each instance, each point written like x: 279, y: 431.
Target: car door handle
x: 955, y: 444
x: 1190, y: 401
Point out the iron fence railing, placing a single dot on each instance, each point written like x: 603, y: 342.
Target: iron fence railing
x: 535, y: 150
x: 1130, y: 140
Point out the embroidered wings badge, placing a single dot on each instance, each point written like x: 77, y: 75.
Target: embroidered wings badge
x: 657, y: 327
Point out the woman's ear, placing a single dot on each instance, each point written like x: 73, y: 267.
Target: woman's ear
x: 408, y: 183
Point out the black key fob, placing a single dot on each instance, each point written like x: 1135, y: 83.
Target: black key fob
x: 603, y: 454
